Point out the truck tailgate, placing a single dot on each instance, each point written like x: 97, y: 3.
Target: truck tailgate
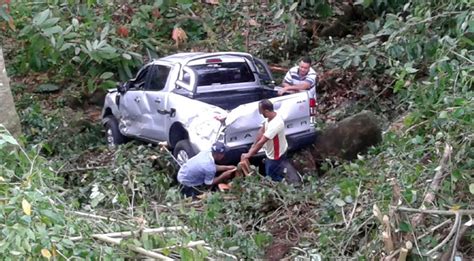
x: 244, y: 121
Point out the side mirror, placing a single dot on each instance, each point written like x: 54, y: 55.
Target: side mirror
x: 266, y: 79
x: 123, y: 87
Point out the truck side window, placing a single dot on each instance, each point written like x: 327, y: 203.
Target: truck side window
x: 157, y: 78
x: 139, y: 81
x: 186, y: 78
x: 263, y: 71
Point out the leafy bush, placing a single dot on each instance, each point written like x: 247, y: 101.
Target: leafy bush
x: 35, y: 221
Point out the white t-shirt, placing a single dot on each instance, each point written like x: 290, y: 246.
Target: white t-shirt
x: 276, y: 145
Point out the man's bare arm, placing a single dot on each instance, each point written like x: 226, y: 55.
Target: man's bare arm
x: 255, y: 148
x: 285, y: 84
x: 299, y: 87
x: 260, y: 134
x: 220, y: 168
x: 224, y: 176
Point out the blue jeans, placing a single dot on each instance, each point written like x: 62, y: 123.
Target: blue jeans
x: 275, y: 168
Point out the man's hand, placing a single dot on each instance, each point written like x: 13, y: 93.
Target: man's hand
x: 244, y: 156
x: 230, y: 167
x: 282, y: 91
x: 288, y: 89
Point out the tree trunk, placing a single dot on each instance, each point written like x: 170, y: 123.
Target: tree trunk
x: 8, y: 116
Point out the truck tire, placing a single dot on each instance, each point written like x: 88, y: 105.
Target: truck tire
x: 113, y: 136
x: 183, y: 151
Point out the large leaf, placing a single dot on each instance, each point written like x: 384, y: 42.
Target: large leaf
x: 47, y: 87
x: 279, y: 13
x: 50, y: 22
x: 339, y: 202
x: 8, y: 139
x: 41, y: 17
x: 26, y: 206
x: 372, y: 61
x: 3, y: 14
x: 293, y: 6
x: 106, y: 75
x: 52, y: 30
x: 104, y: 32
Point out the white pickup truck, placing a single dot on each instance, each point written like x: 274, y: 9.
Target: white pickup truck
x: 190, y: 100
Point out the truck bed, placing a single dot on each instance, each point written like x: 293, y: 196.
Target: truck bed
x: 229, y: 100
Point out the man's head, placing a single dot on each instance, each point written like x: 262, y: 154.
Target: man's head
x: 265, y: 107
x: 218, y: 150
x: 304, y: 66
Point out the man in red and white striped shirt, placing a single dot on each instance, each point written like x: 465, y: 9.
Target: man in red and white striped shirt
x: 271, y: 137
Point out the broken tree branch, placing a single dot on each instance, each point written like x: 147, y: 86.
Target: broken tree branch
x: 438, y: 212
x: 354, y: 207
x: 130, y: 233
x: 456, y: 237
x: 435, y: 185
x: 79, y: 169
x: 387, y: 240
x: 141, y: 250
x: 82, y: 214
x: 451, y: 252
x: 386, y: 222
x: 377, y: 213
x: 404, y: 251
x: 431, y: 230
x: 457, y: 221
x: 221, y: 253
x: 190, y: 244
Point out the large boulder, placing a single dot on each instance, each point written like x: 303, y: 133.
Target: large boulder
x: 348, y: 137
x: 342, y: 141
x: 8, y: 116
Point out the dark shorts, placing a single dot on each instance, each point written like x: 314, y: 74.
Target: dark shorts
x: 195, y: 191
x: 190, y: 191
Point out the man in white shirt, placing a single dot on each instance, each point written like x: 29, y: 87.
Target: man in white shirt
x: 300, y: 78
x: 271, y: 137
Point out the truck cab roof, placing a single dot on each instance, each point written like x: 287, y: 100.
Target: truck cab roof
x: 184, y: 58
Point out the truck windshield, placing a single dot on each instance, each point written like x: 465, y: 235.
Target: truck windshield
x: 223, y: 73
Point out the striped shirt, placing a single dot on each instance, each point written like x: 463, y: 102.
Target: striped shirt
x: 292, y: 77
x: 276, y: 145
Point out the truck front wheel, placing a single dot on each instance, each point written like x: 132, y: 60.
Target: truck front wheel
x: 183, y: 151
x: 112, y: 133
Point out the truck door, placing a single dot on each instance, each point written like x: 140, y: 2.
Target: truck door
x: 131, y: 121
x: 154, y: 111
x: 264, y: 72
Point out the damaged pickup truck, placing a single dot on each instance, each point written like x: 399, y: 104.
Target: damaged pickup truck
x: 190, y: 100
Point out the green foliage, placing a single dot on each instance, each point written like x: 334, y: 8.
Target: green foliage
x: 424, y: 47
x: 51, y: 127
x: 382, y: 6
x: 131, y: 168
x: 53, y: 42
x: 34, y: 216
